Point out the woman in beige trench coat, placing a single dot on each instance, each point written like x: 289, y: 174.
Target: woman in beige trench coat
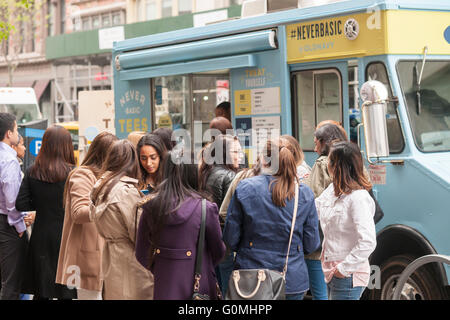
x: 79, y: 263
x: 114, y: 210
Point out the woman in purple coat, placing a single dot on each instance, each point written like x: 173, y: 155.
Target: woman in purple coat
x: 168, y: 232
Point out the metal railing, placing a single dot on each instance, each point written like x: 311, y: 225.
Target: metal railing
x: 413, y: 266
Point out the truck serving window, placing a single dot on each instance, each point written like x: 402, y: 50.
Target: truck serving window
x: 377, y: 71
x: 318, y: 97
x: 180, y: 100
x: 172, y: 107
x: 427, y: 102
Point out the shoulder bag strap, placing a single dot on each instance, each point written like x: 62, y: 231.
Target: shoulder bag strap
x: 200, y: 245
x: 294, y: 217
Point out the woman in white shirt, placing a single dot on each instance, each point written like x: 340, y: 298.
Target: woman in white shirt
x: 346, y: 213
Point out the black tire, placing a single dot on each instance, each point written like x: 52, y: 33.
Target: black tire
x: 421, y: 285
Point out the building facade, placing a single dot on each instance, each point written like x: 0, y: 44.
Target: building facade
x: 80, y: 57
x: 22, y: 57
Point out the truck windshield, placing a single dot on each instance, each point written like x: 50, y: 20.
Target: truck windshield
x: 428, y: 104
x: 24, y: 112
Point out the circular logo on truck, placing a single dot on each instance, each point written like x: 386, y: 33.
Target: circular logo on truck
x: 447, y: 34
x: 351, y: 29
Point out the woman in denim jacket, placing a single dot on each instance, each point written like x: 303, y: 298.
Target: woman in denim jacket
x: 259, y: 220
x: 346, y: 213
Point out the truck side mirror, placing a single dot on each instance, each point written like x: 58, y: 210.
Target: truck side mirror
x: 374, y: 108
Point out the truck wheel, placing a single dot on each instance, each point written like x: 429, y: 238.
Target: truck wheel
x: 421, y: 285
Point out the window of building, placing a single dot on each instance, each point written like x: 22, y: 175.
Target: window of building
x: 151, y: 9
x: 184, y: 6
x: 101, y: 21
x: 51, y: 20
x: 86, y: 23
x: 166, y: 8
x: 202, y: 5
x: 106, y: 20
x: 76, y: 24
x: 95, y: 22
x: 63, y: 17
x: 33, y: 33
x: 117, y: 18
x: 22, y: 36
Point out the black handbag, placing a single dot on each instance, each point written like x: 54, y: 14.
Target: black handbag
x: 379, y: 214
x: 261, y: 284
x: 198, y: 260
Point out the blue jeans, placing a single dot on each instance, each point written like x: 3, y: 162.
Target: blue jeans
x: 225, y: 270
x: 342, y: 289
x: 295, y: 296
x: 317, y: 284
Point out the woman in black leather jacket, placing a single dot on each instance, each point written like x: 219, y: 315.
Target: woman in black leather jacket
x: 219, y: 164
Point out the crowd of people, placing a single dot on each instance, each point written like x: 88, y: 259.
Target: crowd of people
x: 125, y: 223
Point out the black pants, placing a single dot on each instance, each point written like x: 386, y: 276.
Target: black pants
x: 12, y: 260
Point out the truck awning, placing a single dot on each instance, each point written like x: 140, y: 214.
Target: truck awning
x: 206, y: 55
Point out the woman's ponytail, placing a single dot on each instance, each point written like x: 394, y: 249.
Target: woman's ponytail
x: 284, y: 184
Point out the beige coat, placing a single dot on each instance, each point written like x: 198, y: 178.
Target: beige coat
x: 81, y: 245
x: 116, y: 220
x: 241, y: 175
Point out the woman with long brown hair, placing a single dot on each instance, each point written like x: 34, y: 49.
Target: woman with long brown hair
x: 346, y: 213
x: 114, y: 210
x: 259, y: 219
x: 150, y: 150
x: 81, y: 245
x: 42, y: 191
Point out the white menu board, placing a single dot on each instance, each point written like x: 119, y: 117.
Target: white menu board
x: 263, y: 128
x: 266, y: 100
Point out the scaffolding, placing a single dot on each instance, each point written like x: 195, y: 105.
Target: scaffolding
x: 71, y: 77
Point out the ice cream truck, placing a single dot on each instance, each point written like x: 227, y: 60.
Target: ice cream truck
x: 289, y: 70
